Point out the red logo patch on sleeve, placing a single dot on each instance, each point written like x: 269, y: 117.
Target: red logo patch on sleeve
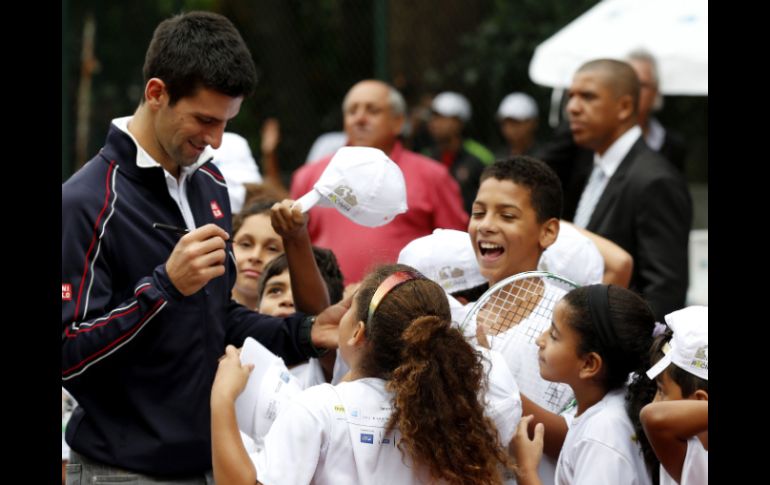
x: 66, y: 292
x: 218, y: 214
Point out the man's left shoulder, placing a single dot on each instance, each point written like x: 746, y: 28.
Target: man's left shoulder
x: 209, y: 176
x: 651, y: 165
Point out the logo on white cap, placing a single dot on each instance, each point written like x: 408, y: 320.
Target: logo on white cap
x: 446, y: 257
x: 343, y: 193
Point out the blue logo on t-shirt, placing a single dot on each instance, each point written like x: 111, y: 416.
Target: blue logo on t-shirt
x: 367, y: 438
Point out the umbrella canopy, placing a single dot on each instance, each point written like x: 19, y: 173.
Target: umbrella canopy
x: 674, y: 31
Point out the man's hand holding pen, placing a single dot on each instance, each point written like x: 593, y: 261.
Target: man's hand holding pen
x: 197, y: 258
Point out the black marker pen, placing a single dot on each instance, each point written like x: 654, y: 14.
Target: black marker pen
x: 169, y: 228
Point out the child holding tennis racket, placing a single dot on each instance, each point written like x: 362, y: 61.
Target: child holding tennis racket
x: 405, y: 415
x: 514, y: 219
x: 598, y: 336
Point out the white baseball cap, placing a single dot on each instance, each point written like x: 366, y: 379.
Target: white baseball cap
x: 573, y: 256
x: 450, y: 103
x: 363, y: 184
x: 269, y: 387
x: 446, y: 257
x: 689, y: 347
x: 519, y: 106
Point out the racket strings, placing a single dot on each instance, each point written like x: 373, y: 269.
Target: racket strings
x: 515, y: 315
x: 511, y: 304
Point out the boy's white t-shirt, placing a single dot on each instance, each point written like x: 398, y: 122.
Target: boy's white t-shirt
x: 600, y: 447
x: 695, y: 469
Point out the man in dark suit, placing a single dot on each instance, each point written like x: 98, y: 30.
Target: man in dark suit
x: 565, y: 157
x: 633, y: 197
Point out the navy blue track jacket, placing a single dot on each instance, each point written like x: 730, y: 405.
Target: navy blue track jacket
x: 137, y: 355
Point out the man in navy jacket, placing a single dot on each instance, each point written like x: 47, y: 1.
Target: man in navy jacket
x: 147, y: 313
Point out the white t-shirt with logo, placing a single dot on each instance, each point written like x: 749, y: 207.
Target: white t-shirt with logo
x: 695, y: 469
x: 335, y: 435
x: 600, y: 447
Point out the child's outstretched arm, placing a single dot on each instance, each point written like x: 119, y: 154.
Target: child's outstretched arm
x: 669, y: 424
x: 231, y: 463
x: 307, y: 286
x: 527, y: 452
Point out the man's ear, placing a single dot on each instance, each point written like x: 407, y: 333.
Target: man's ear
x: 592, y: 366
x: 548, y: 233
x: 626, y: 107
x: 155, y: 94
x: 397, y: 124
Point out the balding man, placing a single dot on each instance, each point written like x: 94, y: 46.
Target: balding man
x: 374, y: 115
x: 660, y: 139
x: 633, y: 196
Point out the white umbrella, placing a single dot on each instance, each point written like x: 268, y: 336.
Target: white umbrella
x: 674, y: 31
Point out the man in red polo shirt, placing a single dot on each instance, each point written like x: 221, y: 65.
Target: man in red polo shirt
x: 374, y: 115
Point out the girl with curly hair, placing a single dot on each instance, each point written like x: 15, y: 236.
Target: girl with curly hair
x: 410, y: 410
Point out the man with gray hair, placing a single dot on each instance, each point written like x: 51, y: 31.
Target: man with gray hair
x: 663, y: 141
x: 373, y: 114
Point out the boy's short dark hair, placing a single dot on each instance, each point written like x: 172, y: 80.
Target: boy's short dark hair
x: 200, y: 49
x: 542, y: 182
x: 327, y: 265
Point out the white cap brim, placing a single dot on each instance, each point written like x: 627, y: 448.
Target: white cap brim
x: 307, y: 201
x: 659, y: 366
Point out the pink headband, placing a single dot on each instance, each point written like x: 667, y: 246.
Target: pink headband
x: 392, y: 281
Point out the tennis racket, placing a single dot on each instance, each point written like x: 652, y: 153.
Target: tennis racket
x: 515, y: 312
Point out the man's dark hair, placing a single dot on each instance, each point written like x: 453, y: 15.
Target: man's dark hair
x: 200, y: 49
x: 543, y: 183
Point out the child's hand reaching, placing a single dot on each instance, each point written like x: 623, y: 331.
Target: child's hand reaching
x: 231, y: 376
x: 527, y: 452
x: 289, y: 222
